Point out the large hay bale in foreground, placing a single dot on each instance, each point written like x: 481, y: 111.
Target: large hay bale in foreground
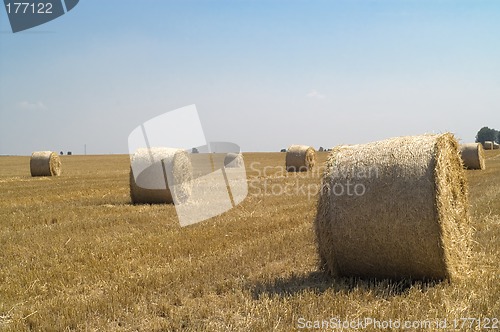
x: 45, y: 163
x: 300, y: 158
x: 488, y: 145
x: 472, y: 155
x: 394, y: 209
x: 160, y: 175
x: 234, y: 160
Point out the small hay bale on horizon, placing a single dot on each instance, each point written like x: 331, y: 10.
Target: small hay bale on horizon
x: 488, y: 145
x: 45, y: 163
x: 496, y: 146
x: 406, y: 216
x: 234, y: 160
x: 300, y: 158
x: 472, y: 155
x: 160, y: 175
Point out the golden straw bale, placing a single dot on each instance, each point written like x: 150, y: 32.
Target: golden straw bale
x: 300, y: 158
x: 396, y: 209
x: 488, y: 145
x: 160, y: 175
x: 472, y: 155
x: 45, y: 163
x: 234, y: 160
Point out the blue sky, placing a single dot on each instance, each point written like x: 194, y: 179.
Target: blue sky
x: 263, y: 74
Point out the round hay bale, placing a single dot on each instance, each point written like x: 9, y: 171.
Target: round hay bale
x: 394, y: 209
x: 234, y: 160
x: 45, y: 163
x: 488, y: 145
x: 496, y: 146
x: 300, y: 158
x: 160, y: 175
x: 472, y: 155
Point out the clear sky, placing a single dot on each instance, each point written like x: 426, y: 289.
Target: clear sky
x: 263, y: 74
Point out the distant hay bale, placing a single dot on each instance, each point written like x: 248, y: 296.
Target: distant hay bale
x: 160, y: 175
x: 395, y: 209
x: 488, y: 145
x: 496, y: 146
x: 472, y: 155
x: 300, y: 158
x: 234, y: 160
x: 45, y: 163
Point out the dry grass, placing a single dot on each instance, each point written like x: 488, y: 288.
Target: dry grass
x: 76, y: 255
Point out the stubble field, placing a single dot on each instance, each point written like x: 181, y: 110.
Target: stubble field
x: 75, y: 255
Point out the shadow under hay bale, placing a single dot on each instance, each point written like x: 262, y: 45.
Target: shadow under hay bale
x: 160, y: 175
x: 300, y: 158
x: 472, y: 155
x: 320, y: 282
x: 409, y: 221
x: 45, y: 163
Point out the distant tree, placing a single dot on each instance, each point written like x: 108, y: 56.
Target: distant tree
x: 321, y: 149
x: 194, y: 150
x: 283, y: 150
x: 69, y: 153
x: 486, y: 134
x: 61, y: 153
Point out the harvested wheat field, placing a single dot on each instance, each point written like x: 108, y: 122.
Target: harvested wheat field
x: 76, y: 255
